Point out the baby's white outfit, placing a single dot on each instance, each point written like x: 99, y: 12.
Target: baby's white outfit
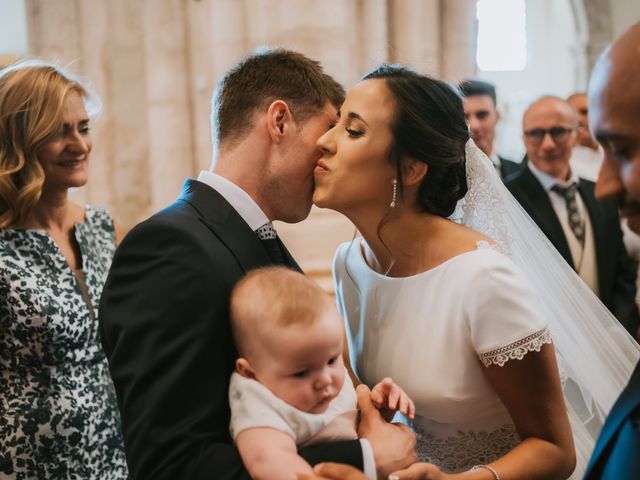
x: 254, y: 405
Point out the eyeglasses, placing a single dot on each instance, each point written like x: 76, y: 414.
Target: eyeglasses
x: 558, y: 134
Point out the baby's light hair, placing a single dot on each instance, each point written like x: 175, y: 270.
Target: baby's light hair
x: 273, y: 297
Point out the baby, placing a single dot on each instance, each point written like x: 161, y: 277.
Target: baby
x: 290, y: 388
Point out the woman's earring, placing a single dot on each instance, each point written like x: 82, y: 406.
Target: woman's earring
x: 395, y: 190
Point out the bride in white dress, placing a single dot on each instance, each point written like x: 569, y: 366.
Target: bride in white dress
x: 455, y: 294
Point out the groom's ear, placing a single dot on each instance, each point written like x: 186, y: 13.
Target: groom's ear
x: 243, y: 367
x: 278, y: 120
x: 413, y: 171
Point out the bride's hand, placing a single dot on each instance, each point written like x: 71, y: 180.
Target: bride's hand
x: 419, y: 471
x: 389, y: 398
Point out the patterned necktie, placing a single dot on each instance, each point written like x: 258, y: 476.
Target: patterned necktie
x: 575, y: 220
x: 267, y: 234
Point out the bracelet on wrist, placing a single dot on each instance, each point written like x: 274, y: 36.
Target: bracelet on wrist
x: 486, y: 467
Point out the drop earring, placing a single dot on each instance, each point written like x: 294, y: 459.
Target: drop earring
x: 395, y: 191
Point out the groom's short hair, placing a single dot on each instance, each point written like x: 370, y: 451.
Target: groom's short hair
x: 274, y: 297
x: 267, y: 75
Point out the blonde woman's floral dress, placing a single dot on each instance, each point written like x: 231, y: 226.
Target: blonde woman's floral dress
x: 58, y: 411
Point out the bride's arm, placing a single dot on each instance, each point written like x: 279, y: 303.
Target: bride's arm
x: 530, y: 389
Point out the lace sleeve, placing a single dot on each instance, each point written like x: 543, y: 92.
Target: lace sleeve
x: 516, y: 350
x: 504, y: 314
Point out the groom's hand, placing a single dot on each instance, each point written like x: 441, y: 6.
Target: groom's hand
x: 394, y: 446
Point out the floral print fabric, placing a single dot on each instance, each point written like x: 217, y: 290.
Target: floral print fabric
x: 58, y: 410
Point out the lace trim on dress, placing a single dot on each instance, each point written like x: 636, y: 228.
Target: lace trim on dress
x: 461, y: 451
x: 516, y: 350
x: 492, y: 246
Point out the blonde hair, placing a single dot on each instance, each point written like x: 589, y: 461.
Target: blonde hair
x: 32, y: 97
x: 274, y: 297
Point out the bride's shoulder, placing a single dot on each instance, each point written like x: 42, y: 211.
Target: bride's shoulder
x: 488, y: 256
x: 345, y: 247
x: 344, y: 250
x: 461, y: 239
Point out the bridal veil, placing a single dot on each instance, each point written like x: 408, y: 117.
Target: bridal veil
x: 596, y: 355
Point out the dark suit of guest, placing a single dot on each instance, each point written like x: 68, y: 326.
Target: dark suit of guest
x: 615, y: 455
x: 508, y: 167
x: 616, y: 275
x: 164, y: 318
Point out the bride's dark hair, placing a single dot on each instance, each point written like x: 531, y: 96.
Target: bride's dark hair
x: 429, y: 126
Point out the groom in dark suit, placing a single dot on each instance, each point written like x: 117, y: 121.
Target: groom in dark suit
x: 164, y: 310
x: 614, y: 99
x: 584, y: 230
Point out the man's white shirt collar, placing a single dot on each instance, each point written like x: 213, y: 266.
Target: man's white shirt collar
x: 495, y: 159
x: 548, y: 181
x: 240, y: 200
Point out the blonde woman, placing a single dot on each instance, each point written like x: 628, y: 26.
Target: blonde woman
x: 57, y: 402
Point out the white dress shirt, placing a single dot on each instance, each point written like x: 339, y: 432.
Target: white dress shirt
x: 495, y: 159
x: 237, y: 198
x: 253, y: 215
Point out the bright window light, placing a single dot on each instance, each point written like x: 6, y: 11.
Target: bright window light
x: 13, y: 27
x: 502, y: 35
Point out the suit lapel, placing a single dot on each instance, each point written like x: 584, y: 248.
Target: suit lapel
x: 628, y: 401
x: 226, y: 224
x: 230, y: 228
x: 508, y: 167
x: 542, y: 212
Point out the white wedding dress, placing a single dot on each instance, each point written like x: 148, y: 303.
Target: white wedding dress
x: 431, y: 333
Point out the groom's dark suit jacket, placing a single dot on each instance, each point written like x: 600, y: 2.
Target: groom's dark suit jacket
x: 164, y: 321
x: 615, y: 455
x: 616, y: 272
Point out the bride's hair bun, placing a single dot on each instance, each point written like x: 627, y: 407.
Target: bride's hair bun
x: 430, y: 127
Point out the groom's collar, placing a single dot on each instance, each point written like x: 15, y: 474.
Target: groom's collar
x: 217, y: 214
x: 240, y: 200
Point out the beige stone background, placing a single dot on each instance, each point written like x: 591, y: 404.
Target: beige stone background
x: 154, y: 64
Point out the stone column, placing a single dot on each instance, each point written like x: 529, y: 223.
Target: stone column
x: 414, y: 34
x: 115, y: 62
x: 600, y: 31
x: 459, y: 32
x: 216, y: 40
x: 582, y: 42
x: 168, y: 92
x: 368, y: 37
x: 135, y: 53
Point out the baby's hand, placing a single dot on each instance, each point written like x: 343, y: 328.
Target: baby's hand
x: 389, y: 398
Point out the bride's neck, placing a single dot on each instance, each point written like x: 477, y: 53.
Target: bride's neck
x: 398, y: 243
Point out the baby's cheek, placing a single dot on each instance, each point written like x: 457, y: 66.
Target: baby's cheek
x: 339, y: 379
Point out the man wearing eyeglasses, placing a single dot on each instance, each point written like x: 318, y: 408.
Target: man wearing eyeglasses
x: 585, y: 231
